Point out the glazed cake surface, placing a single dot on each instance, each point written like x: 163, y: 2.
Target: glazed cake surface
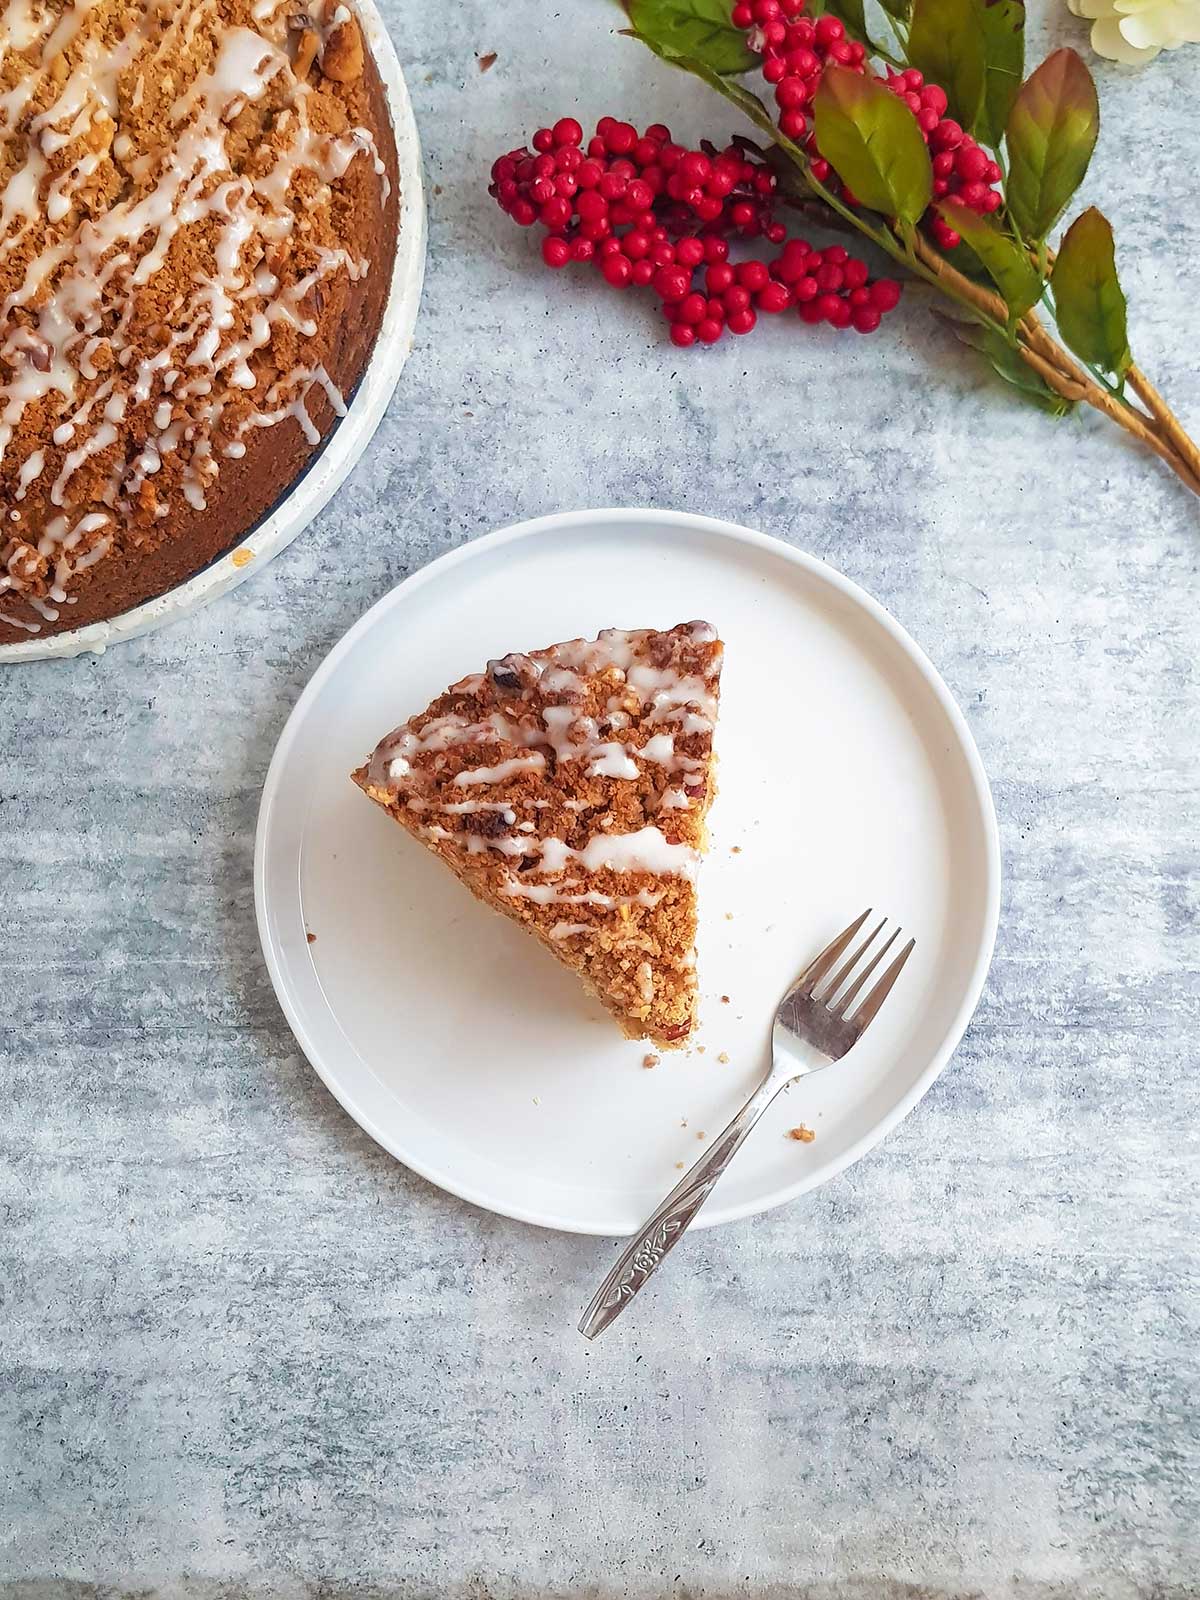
x: 568, y: 788
x: 198, y: 213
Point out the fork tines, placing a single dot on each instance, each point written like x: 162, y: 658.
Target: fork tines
x: 814, y: 975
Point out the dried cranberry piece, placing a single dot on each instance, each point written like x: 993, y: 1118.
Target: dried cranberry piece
x: 511, y: 671
x: 487, y: 824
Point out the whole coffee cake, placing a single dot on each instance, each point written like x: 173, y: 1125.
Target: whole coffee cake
x: 197, y: 225
x: 568, y: 788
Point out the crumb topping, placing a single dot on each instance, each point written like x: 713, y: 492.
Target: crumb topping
x: 569, y: 786
x: 171, y: 223
x: 623, y: 723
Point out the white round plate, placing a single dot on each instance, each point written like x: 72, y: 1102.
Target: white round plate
x: 848, y: 778
x: 332, y: 464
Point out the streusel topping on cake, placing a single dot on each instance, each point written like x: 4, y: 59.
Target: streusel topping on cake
x: 568, y: 788
x: 177, y: 231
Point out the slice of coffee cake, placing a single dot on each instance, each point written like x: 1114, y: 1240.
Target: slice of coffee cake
x: 568, y: 789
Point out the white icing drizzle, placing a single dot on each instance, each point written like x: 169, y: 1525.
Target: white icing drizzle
x: 613, y: 761
x: 543, y: 715
x: 647, y: 850
x: 563, y: 894
x: 462, y: 808
x: 502, y: 771
x: 23, y: 24
x: 661, y: 694
x: 475, y: 844
x: 67, y: 341
x: 30, y: 469
x: 58, y: 544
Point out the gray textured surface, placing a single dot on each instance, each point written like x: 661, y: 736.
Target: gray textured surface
x: 243, y: 1350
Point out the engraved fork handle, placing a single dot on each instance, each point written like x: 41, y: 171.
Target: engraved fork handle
x: 647, y: 1249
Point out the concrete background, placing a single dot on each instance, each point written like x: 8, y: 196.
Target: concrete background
x: 244, y: 1352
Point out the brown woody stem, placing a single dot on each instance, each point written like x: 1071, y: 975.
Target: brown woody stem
x: 1170, y: 427
x: 1079, y: 386
x: 961, y: 287
x: 1160, y: 432
x: 1169, y: 423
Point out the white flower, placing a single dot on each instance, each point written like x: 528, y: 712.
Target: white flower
x: 1134, y: 31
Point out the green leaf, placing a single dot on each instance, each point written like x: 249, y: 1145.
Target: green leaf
x: 1007, y: 262
x: 968, y: 263
x: 1005, y: 361
x: 1051, y: 134
x: 727, y: 86
x: 1004, y: 58
x: 851, y: 13
x: 1088, y: 299
x: 901, y: 10
x: 698, y: 29
x: 872, y: 141
x: 946, y: 42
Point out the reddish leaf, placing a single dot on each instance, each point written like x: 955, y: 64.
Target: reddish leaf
x: 1052, y: 131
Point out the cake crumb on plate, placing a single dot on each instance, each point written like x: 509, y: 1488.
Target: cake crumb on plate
x: 803, y: 1134
x: 723, y: 1058
x: 650, y: 1061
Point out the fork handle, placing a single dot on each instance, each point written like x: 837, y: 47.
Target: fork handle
x: 645, y: 1252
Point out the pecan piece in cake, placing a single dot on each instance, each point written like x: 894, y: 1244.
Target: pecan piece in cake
x: 343, y: 59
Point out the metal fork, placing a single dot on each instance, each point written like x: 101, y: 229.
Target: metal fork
x: 814, y: 1025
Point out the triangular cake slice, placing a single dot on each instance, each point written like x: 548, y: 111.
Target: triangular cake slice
x: 568, y: 789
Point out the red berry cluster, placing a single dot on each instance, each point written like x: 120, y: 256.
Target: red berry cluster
x: 962, y: 169
x: 633, y: 179
x: 822, y: 285
x: 795, y: 50
x: 652, y: 214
